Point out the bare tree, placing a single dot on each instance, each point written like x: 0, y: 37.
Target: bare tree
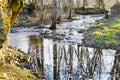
x: 55, y: 61
x: 34, y: 1
x: 70, y: 9
x: 59, y: 13
x: 85, y: 3
x: 115, y: 72
x: 64, y: 5
x: 117, y: 1
x: 54, y: 15
x: 101, y: 5
x: 78, y: 3
x: 41, y: 13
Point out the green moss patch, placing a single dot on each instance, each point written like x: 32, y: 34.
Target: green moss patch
x: 10, y: 72
x: 105, y: 34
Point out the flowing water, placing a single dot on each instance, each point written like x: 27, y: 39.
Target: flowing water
x: 59, y: 56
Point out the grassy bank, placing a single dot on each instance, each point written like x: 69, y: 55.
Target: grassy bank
x: 12, y: 72
x: 12, y: 63
x: 105, y: 34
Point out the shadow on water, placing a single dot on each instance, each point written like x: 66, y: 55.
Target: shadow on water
x: 64, y: 60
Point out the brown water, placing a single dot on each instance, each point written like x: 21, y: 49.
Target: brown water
x: 64, y: 59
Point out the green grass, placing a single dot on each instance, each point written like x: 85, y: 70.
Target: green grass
x: 107, y: 32
x: 90, y: 7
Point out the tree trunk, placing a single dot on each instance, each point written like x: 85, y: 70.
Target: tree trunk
x: 117, y: 1
x: 78, y: 3
x: 29, y: 1
x: 59, y: 14
x: 103, y: 8
x: 101, y: 5
x: 54, y: 15
x: 85, y: 3
x: 41, y: 13
x: 55, y: 61
x: 115, y: 71
x: 70, y: 9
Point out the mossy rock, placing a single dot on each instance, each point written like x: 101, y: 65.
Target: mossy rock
x: 85, y: 11
x: 115, y: 10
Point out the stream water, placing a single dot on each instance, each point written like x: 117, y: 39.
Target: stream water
x: 59, y: 56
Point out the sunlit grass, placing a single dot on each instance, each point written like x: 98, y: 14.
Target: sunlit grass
x: 89, y: 7
x: 106, y: 32
x: 98, y: 33
x: 12, y: 72
x: 116, y: 26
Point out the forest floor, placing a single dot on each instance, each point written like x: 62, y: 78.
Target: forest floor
x: 105, y: 34
x: 12, y: 63
x: 12, y: 72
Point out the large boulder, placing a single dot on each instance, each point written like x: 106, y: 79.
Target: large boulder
x: 115, y: 10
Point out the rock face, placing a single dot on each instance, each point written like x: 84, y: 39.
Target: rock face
x: 115, y: 10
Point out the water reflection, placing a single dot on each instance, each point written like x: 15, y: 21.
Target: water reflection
x: 34, y: 44
x: 36, y: 50
x: 55, y: 60
x: 115, y: 72
x: 72, y: 62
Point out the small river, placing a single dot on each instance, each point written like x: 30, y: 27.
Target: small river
x: 59, y: 56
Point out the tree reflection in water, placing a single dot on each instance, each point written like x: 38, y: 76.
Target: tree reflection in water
x: 115, y: 72
x: 36, y: 50
x: 89, y: 67
x: 72, y: 62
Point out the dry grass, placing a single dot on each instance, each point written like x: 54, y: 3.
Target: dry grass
x: 12, y: 72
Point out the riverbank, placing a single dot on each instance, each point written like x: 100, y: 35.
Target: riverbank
x: 105, y: 34
x: 12, y: 72
x: 12, y: 65
x: 88, y: 10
